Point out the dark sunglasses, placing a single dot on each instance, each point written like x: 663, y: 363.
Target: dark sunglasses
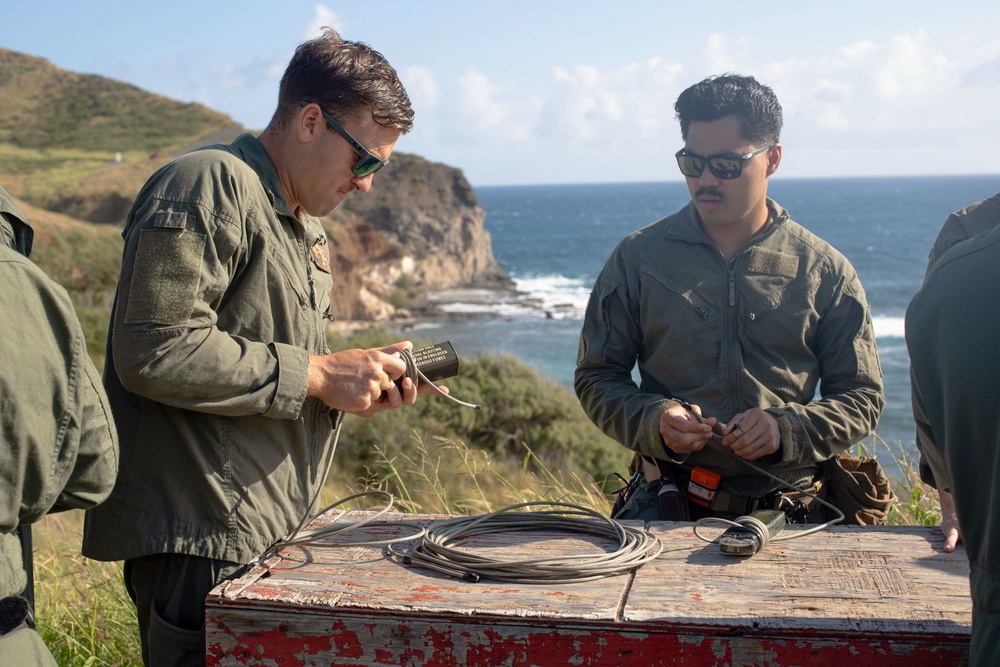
x: 369, y: 162
x: 692, y: 165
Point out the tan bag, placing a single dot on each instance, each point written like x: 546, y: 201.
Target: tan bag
x: 859, y: 487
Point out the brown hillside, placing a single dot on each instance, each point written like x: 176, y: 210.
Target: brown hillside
x: 419, y: 229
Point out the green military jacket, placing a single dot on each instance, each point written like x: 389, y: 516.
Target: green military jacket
x: 951, y: 333
x: 961, y: 225
x: 59, y: 447
x: 222, y: 297
x: 785, y: 317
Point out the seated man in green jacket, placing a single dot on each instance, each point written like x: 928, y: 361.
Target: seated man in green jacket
x: 223, y: 388
x: 735, y: 314
x: 59, y: 450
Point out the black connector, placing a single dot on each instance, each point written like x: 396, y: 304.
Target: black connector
x: 751, y: 536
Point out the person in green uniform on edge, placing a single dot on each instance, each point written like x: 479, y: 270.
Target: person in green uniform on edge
x: 59, y: 448
x: 951, y: 334
x: 218, y: 371
x: 734, y: 313
x: 961, y: 225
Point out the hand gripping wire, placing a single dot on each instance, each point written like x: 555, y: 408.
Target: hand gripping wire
x: 764, y: 531
x: 270, y: 557
x: 415, y: 374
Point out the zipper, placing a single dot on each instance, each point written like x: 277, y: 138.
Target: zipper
x: 732, y: 284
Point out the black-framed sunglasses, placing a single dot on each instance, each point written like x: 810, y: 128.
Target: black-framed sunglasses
x: 369, y: 162
x: 692, y: 165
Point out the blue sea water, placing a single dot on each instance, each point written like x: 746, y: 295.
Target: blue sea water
x: 554, y: 239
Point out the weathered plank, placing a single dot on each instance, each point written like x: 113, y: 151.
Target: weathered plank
x: 856, y: 596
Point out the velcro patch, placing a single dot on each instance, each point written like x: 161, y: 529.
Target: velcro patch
x: 165, y: 276
x: 772, y: 262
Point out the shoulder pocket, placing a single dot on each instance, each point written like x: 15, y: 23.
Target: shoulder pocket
x: 164, y: 282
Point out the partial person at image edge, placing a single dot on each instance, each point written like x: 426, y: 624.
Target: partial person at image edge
x: 960, y: 226
x: 951, y: 336
x: 59, y: 449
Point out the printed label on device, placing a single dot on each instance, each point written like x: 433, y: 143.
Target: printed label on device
x: 437, y: 362
x: 703, y: 485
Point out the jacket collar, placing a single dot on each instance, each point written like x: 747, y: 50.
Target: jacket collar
x: 251, y: 151
x: 687, y: 225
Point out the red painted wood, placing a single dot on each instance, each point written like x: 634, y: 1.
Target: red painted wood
x: 879, y: 597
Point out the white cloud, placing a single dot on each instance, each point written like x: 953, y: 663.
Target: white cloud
x: 497, y: 114
x: 865, y: 106
x: 421, y: 86
x: 323, y: 16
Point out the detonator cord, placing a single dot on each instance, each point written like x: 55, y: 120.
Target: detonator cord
x: 636, y: 546
x: 417, y: 376
x: 752, y: 523
x: 269, y: 557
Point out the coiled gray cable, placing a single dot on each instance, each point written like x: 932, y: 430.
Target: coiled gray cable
x: 437, y: 550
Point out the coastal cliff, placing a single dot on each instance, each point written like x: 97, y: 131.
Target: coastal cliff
x: 419, y: 229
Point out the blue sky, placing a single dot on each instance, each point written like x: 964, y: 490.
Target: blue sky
x: 572, y: 92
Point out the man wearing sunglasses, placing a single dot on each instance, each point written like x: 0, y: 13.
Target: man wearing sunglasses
x: 735, y: 316
x: 224, y: 391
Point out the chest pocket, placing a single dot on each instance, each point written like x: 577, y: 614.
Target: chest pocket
x: 666, y: 298
x: 779, y: 325
x: 682, y: 333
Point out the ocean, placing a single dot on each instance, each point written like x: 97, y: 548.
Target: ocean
x: 554, y: 239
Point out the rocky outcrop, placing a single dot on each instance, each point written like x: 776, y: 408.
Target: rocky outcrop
x: 419, y: 229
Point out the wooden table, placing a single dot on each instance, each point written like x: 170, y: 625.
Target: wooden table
x: 846, y: 596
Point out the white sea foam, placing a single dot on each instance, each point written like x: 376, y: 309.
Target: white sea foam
x: 888, y: 327
x: 555, y: 297
x: 559, y: 297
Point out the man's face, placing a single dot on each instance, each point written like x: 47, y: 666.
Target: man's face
x: 726, y: 202
x: 326, y: 175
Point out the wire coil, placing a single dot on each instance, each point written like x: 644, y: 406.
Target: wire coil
x: 437, y: 550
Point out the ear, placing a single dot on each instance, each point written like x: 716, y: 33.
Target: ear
x: 773, y: 159
x: 309, y: 122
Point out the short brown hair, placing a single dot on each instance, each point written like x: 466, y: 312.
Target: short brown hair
x: 344, y: 78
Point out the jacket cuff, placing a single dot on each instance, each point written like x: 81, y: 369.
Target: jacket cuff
x: 293, y: 378
x: 653, y: 444
x: 788, y: 448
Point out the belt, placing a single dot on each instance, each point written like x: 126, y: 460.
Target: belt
x: 731, y: 503
x: 796, y: 505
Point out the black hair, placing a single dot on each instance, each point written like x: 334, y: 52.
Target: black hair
x: 731, y: 94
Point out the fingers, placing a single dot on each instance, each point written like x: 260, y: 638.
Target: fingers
x: 682, y: 432
x: 752, y: 434
x: 362, y: 381
x: 950, y: 539
x: 949, y: 522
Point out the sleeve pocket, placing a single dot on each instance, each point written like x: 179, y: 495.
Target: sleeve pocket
x: 165, y: 276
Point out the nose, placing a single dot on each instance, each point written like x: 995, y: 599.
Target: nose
x: 708, y: 179
x: 363, y: 183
